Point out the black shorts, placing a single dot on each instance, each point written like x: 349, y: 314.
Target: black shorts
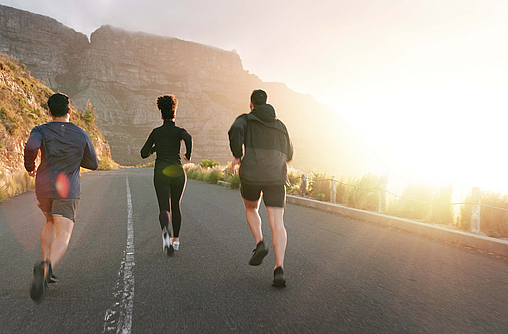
x: 63, y: 207
x: 272, y: 195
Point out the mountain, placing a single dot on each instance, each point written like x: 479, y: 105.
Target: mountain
x: 121, y: 73
x: 23, y: 105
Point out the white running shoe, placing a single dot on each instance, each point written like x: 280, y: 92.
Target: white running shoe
x: 166, y: 240
x: 176, y: 245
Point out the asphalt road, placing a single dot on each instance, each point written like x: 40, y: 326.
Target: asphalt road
x: 344, y: 276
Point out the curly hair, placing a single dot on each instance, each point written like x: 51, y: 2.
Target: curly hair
x: 167, y: 105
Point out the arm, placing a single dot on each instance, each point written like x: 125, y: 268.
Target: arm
x: 290, y: 149
x: 89, y: 160
x: 236, y: 136
x: 148, y: 148
x: 188, y: 144
x: 32, y: 147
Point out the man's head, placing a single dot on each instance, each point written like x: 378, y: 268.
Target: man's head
x: 167, y: 105
x: 58, y: 104
x: 258, y: 97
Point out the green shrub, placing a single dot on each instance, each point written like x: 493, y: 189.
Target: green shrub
x: 214, y: 175
x: 234, y: 181
x: 414, y: 204
x: 205, y: 163
x: 106, y: 163
x: 320, y: 183
x: 442, y: 211
x: 493, y: 222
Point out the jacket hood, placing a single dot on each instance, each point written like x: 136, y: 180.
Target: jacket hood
x: 265, y: 112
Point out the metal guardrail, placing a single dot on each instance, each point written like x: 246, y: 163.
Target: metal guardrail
x: 476, y: 205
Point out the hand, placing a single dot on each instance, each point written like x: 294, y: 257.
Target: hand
x: 235, y: 162
x: 33, y: 173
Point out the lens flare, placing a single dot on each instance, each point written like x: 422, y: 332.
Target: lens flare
x: 173, y: 171
x: 62, y: 185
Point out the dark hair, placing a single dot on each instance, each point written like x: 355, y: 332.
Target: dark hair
x: 167, y: 105
x: 58, y: 104
x: 258, y: 97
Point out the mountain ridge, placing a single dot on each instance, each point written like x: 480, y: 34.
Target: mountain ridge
x: 123, y: 72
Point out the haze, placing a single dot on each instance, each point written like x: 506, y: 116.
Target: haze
x: 427, y: 79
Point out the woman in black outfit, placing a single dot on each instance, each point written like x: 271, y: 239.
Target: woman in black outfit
x: 169, y: 177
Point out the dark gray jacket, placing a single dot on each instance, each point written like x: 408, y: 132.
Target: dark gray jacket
x: 267, y: 145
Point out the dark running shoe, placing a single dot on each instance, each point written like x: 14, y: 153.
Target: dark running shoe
x: 167, y: 247
x: 38, y: 288
x: 50, y: 278
x: 279, y: 280
x: 170, y: 250
x: 258, y: 254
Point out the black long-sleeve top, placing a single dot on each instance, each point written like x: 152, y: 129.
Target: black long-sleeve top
x: 64, y: 148
x: 165, y: 140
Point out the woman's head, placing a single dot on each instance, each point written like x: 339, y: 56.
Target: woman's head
x: 167, y: 105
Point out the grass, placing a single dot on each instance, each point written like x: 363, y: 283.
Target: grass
x: 23, y: 105
x: 493, y: 222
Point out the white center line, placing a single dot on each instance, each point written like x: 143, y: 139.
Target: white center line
x: 118, y: 318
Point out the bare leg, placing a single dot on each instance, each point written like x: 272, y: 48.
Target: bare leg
x: 48, y: 234
x: 279, y: 235
x: 63, y: 228
x: 253, y: 218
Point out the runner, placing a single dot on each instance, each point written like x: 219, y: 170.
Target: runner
x: 169, y: 177
x: 64, y: 148
x: 263, y: 169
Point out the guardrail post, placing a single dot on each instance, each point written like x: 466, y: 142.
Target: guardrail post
x: 475, y: 210
x: 303, y: 185
x: 382, y: 194
x: 333, y: 196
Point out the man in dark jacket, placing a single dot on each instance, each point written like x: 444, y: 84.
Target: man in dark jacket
x: 64, y: 148
x: 263, y: 168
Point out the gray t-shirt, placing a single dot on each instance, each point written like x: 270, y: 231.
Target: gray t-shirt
x: 64, y: 148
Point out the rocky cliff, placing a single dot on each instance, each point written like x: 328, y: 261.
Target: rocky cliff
x: 122, y: 73
x: 23, y: 105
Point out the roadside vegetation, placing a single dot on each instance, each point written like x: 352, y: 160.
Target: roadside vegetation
x: 416, y: 202
x: 23, y: 105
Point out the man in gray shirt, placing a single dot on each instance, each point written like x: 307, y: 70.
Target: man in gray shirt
x: 64, y: 149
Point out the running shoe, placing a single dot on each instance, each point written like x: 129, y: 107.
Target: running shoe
x: 50, y: 277
x: 38, y: 288
x: 258, y: 254
x: 176, y: 245
x: 167, y: 247
x: 279, y: 280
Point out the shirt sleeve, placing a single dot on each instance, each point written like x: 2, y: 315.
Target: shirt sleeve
x: 188, y: 144
x: 236, y: 136
x: 290, y: 149
x: 148, y: 148
x: 32, y: 149
x: 89, y: 160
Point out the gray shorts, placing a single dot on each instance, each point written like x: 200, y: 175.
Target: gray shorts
x: 62, y: 207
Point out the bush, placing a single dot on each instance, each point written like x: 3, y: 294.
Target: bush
x: 205, y: 163
x: 106, y: 163
x: 320, y: 184
x: 493, y: 222
x: 234, y: 181
x: 414, y: 204
x: 441, y: 209
x: 213, y: 175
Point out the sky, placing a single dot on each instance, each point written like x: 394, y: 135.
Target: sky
x: 427, y: 79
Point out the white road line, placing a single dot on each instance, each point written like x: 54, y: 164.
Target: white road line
x: 118, y: 318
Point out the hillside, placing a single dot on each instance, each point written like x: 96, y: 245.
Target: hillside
x: 23, y: 105
x: 121, y: 73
